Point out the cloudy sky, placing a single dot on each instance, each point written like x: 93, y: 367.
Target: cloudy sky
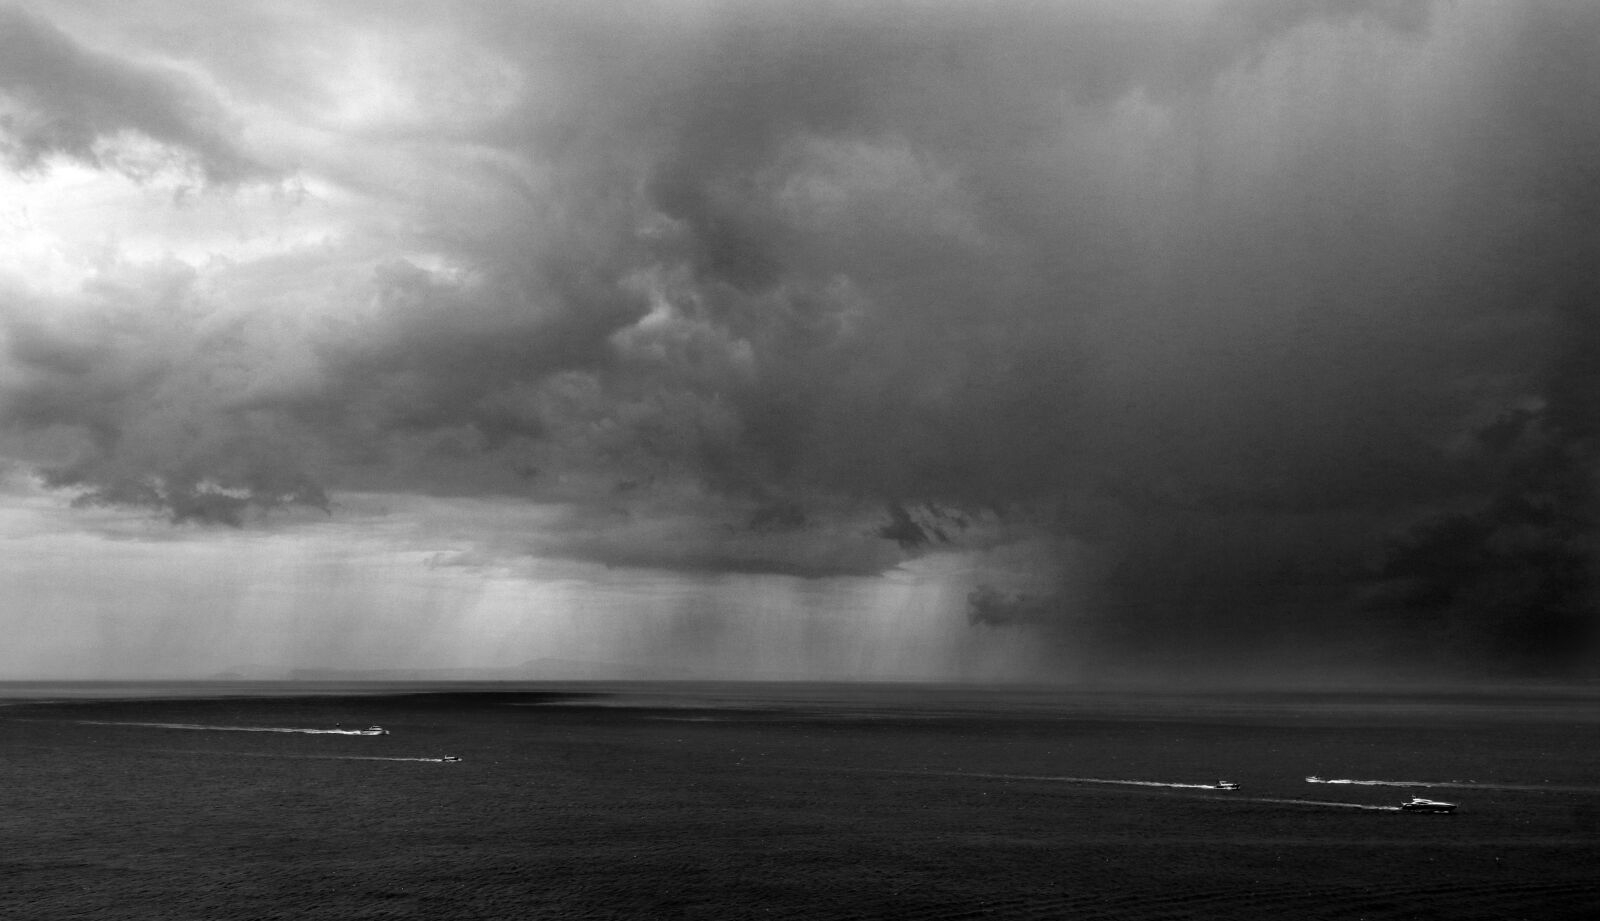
x: 799, y: 339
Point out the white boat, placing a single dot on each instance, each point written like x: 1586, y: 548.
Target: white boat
x: 451, y: 759
x: 1226, y: 785
x: 373, y: 731
x: 1418, y: 804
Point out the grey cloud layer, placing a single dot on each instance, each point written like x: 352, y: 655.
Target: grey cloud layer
x: 1227, y: 291
x: 155, y: 386
x: 66, y: 98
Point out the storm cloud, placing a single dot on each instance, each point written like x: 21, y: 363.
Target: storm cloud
x: 1267, y: 328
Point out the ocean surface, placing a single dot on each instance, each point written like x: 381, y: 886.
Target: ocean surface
x: 219, y: 800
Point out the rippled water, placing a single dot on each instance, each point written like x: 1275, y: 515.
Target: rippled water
x: 732, y: 801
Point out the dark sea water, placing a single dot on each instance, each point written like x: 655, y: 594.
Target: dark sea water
x: 717, y: 800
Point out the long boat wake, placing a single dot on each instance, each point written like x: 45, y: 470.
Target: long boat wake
x: 374, y: 731
x: 335, y: 757
x: 1389, y: 783
x: 1219, y: 787
x: 446, y: 760
x: 298, y: 756
x: 1051, y: 778
x: 1455, y: 784
x: 1097, y: 780
x: 1318, y: 802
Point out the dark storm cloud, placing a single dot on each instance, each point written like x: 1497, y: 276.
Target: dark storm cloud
x: 871, y: 256
x: 1238, y: 380
x: 1224, y: 292
x: 848, y: 199
x: 63, y: 98
x: 1509, y: 578
x: 886, y: 212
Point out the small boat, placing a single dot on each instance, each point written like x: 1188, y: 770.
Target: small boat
x: 1226, y: 785
x: 373, y: 731
x: 1418, y: 804
x: 450, y: 759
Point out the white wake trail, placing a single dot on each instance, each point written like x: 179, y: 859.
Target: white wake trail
x: 208, y: 728
x: 1051, y: 778
x: 1382, y: 783
x: 1457, y: 785
x: 1097, y: 780
x: 361, y: 758
x: 1152, y: 783
x: 296, y: 756
x: 1318, y: 802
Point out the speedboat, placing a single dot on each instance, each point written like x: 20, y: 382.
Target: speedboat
x: 450, y: 759
x: 1226, y: 785
x: 1418, y: 804
x: 373, y: 731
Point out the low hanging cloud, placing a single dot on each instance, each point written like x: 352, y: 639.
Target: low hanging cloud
x: 1238, y: 295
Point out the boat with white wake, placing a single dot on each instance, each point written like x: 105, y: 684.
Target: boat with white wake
x: 1418, y: 804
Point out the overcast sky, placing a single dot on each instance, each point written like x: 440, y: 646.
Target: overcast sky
x: 802, y: 339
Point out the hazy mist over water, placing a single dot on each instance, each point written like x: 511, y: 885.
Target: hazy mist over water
x: 1100, y: 340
